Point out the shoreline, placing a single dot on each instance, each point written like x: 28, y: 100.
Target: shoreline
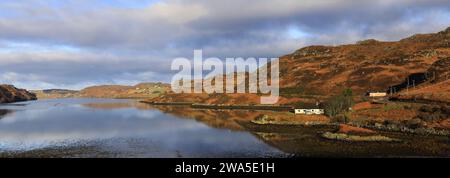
x: 402, y: 130
x: 218, y: 106
x: 383, y: 128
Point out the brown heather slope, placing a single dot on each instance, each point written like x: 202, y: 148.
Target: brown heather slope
x: 367, y: 65
x: 9, y: 94
x: 316, y: 72
x: 435, y: 89
x: 55, y: 93
x: 142, y: 90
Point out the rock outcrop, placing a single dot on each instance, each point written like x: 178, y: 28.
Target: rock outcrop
x: 9, y: 94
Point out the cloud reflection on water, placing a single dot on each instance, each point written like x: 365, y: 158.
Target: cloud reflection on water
x: 73, y: 122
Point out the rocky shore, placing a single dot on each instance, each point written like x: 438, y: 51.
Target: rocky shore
x: 358, y: 138
x: 353, y: 132
x: 222, y: 106
x: 10, y: 94
x: 404, y: 129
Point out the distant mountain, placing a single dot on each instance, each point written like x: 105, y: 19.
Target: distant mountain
x: 370, y: 65
x: 9, y: 94
x: 142, y: 90
x: 55, y: 93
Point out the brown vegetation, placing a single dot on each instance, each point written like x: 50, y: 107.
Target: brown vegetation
x: 142, y: 90
x: 317, y: 72
x: 9, y: 94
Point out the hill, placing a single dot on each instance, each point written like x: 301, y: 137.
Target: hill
x: 142, y: 90
x: 435, y: 88
x: 317, y: 72
x: 55, y: 93
x: 9, y: 94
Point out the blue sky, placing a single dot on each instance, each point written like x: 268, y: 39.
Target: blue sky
x: 77, y: 43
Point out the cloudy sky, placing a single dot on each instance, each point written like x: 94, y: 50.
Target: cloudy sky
x: 77, y: 43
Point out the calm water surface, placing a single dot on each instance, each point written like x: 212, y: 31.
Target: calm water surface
x: 127, y: 128
x: 114, y: 128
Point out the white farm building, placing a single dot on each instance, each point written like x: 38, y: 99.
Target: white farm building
x: 309, y: 111
x: 377, y: 94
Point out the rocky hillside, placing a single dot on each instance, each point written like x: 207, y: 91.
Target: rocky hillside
x: 142, y: 90
x: 320, y: 71
x: 367, y: 65
x: 9, y: 94
x: 55, y: 93
x: 436, y: 85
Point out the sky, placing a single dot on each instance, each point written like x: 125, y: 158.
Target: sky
x: 77, y: 43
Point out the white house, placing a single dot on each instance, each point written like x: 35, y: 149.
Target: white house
x: 309, y: 111
x: 377, y: 94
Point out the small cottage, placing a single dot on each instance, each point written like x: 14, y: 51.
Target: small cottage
x: 309, y: 111
x: 377, y: 94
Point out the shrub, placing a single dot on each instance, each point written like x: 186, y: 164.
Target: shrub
x: 223, y: 98
x: 339, y: 104
x: 426, y: 108
x: 341, y: 118
x: 414, y: 123
x: 433, y: 112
